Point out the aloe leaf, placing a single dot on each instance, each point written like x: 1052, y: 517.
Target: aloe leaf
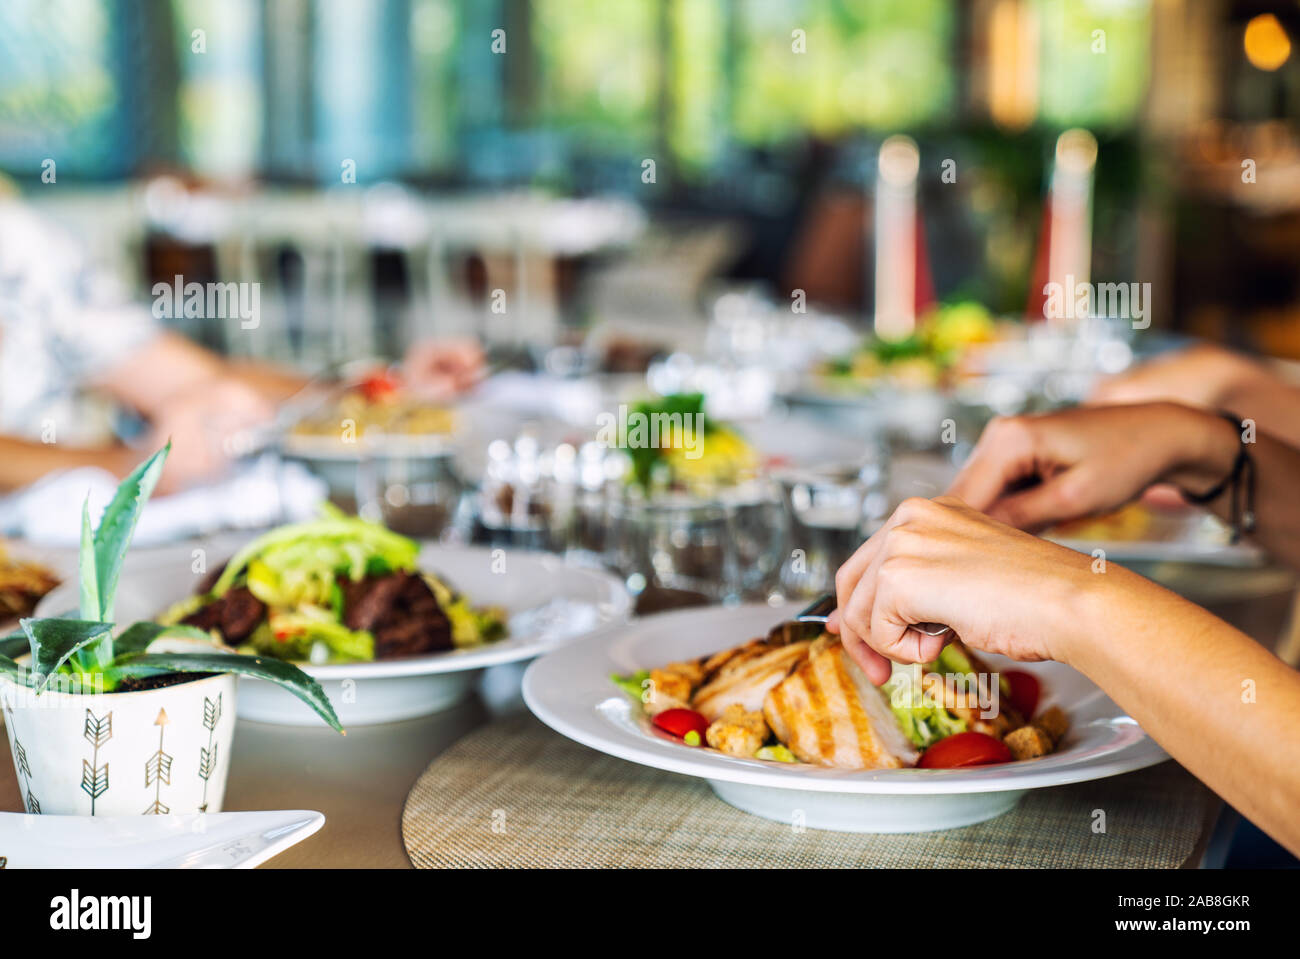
x: 277, y: 671
x: 55, y: 641
x: 14, y: 645
x: 117, y: 525
x: 137, y: 637
x: 9, y: 668
x: 86, y: 567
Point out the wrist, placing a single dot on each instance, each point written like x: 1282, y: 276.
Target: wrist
x: 1081, y: 603
x: 1205, y: 449
x: 1101, y: 598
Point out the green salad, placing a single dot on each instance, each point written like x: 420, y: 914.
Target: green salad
x: 336, y: 589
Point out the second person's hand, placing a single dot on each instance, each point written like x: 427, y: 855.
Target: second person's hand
x: 1034, y: 471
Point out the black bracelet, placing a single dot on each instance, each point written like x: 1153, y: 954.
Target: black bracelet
x: 1241, y: 480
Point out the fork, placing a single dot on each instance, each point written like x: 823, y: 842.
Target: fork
x: 820, y: 609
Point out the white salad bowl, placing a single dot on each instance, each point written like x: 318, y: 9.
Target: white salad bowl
x: 548, y: 603
x: 570, y: 690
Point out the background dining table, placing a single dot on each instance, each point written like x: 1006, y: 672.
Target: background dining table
x: 361, y: 781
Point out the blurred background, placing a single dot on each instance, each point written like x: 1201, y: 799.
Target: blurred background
x: 243, y: 116
x: 827, y: 223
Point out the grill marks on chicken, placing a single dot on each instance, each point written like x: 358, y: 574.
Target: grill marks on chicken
x: 828, y: 713
x: 746, y: 677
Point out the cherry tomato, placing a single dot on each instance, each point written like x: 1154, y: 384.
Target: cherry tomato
x: 380, y: 386
x: 1023, y: 691
x: 679, y: 722
x: 964, y: 749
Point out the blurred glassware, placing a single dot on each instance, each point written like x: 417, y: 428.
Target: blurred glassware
x: 830, y: 511
x: 726, y: 549
x: 748, y: 329
x: 732, y: 392
x: 410, y: 494
x: 514, y: 508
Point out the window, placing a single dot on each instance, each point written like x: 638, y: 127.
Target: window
x: 57, y: 93
x: 219, y: 100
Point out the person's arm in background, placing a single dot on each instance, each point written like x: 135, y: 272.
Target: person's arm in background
x: 1217, y: 701
x: 170, y: 365
x: 23, y: 462
x: 1034, y: 471
x: 187, y: 396
x: 1212, y: 377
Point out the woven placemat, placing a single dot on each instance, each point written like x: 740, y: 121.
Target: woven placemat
x: 517, y: 794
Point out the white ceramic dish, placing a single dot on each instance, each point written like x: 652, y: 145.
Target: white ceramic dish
x: 1186, y: 536
x: 570, y: 691
x: 227, y: 840
x: 549, y: 603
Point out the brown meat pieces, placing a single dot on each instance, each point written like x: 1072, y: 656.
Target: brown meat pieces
x: 400, y: 611
x: 234, y: 615
x: 366, y: 601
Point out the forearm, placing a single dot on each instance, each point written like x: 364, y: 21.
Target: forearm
x: 1212, y: 448
x: 274, y: 383
x: 1217, y: 701
x: 1274, y: 405
x: 172, y: 366
x: 169, y: 366
x: 23, y: 462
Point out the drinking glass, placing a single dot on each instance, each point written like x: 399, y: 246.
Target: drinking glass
x: 830, y: 511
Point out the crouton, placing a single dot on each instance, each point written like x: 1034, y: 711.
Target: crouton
x: 1028, y: 742
x: 667, y: 683
x: 1054, y: 722
x: 750, y: 719
x: 738, y: 732
x: 692, y: 670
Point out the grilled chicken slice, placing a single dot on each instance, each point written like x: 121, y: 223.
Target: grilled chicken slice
x: 828, y: 712
x: 747, y: 676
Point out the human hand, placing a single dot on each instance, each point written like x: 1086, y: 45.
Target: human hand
x: 1034, y: 471
x: 939, y: 561
x: 206, y: 426
x: 1202, y: 375
x: 439, y: 369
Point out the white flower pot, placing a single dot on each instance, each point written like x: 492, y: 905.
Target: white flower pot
x: 150, y: 752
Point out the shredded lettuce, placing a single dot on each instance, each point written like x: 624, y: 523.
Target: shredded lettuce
x: 922, y: 717
x: 952, y: 660
x: 633, y: 685
x: 301, y: 562
x: 469, y: 626
x: 293, y: 634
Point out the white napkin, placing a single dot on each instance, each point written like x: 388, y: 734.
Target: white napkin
x: 261, y: 493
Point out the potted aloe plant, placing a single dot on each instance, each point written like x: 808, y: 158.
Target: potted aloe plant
x: 107, y: 721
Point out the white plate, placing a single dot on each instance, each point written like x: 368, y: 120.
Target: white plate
x: 224, y: 840
x: 549, y: 603
x: 570, y: 691
x: 1179, y: 536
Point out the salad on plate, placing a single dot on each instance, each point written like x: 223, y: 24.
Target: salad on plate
x: 787, y: 699
x: 333, y: 590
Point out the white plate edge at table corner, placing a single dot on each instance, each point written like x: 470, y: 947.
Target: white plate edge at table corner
x: 605, y: 737
x: 293, y: 826
x: 511, y: 649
